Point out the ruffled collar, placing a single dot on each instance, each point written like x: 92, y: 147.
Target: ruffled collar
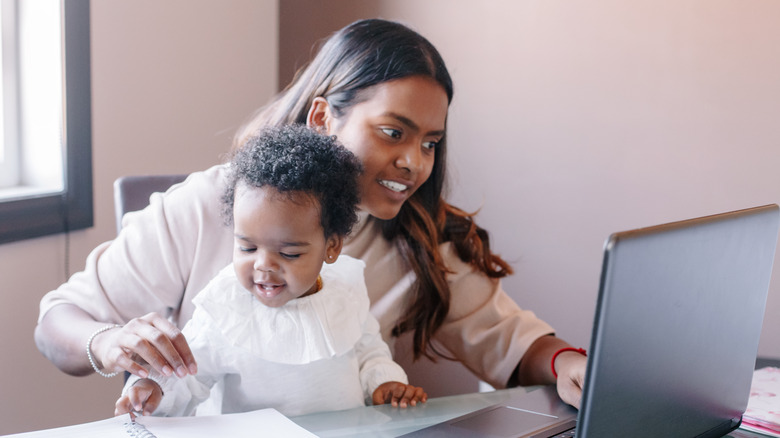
x: 319, y: 326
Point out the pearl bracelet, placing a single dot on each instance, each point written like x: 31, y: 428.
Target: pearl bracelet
x: 89, y: 350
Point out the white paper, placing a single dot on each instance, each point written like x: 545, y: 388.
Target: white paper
x: 265, y: 422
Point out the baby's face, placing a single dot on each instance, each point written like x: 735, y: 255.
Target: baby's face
x: 279, y: 244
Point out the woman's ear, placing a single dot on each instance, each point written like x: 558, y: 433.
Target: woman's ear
x: 319, y: 117
x: 333, y: 248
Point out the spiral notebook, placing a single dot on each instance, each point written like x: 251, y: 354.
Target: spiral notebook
x: 245, y: 424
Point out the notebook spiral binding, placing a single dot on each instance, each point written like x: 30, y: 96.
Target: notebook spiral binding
x: 138, y: 430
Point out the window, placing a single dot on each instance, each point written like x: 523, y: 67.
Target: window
x: 9, y: 162
x: 46, y: 121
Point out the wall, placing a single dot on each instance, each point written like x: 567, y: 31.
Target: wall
x: 305, y: 24
x: 572, y: 120
x: 171, y: 82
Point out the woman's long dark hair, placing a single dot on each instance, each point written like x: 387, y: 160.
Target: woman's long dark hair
x: 357, y: 57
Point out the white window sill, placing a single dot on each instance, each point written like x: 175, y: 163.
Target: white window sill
x: 25, y: 192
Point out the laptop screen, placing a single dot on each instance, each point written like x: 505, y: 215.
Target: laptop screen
x: 677, y: 325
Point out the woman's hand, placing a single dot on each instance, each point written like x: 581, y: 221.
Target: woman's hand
x: 535, y: 369
x: 398, y: 394
x: 142, y: 397
x: 150, y: 339
x: 570, y: 367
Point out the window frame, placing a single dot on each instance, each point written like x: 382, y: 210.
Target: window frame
x: 9, y: 166
x: 72, y: 208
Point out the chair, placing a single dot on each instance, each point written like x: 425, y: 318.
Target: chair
x: 132, y: 193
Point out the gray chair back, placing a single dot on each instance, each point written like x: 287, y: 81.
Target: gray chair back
x: 132, y: 193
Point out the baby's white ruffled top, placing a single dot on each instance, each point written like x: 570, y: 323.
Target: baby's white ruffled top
x: 315, y: 353
x: 310, y: 328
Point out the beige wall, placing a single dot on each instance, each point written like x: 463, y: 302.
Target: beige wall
x: 171, y: 82
x: 305, y: 24
x: 571, y: 120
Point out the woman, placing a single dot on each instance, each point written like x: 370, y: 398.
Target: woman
x: 384, y: 91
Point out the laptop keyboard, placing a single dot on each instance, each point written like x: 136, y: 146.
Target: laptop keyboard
x: 567, y: 434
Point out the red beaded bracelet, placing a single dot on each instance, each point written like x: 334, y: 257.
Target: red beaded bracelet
x: 552, y: 362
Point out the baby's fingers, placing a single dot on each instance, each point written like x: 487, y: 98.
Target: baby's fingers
x: 137, y: 398
x: 123, y: 406
x: 143, y: 396
x: 419, y: 395
x: 152, y: 402
x: 405, y: 395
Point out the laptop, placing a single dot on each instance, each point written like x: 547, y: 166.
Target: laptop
x: 674, y: 342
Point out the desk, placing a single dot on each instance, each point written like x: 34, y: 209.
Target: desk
x: 369, y: 421
x: 386, y: 421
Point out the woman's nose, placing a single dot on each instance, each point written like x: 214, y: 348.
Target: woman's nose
x: 410, y: 158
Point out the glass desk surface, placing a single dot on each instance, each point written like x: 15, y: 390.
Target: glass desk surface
x: 386, y: 421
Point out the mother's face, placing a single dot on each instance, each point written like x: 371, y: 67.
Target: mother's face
x: 394, y: 131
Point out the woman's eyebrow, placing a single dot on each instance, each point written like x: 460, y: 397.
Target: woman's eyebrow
x: 411, y: 124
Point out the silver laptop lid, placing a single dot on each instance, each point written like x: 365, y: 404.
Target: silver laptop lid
x: 677, y: 326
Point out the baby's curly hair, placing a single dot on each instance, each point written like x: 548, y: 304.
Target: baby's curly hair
x: 295, y: 158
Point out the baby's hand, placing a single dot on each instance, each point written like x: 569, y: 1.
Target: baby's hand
x: 144, y: 397
x: 398, y: 394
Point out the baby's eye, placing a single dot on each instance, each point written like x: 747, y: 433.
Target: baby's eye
x: 289, y: 256
x: 246, y: 249
x: 393, y: 133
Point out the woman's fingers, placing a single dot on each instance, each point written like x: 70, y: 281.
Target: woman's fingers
x: 124, y: 362
x: 150, y: 339
x: 155, y: 348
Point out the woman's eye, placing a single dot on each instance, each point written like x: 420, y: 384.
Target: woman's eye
x: 289, y: 256
x: 392, y: 133
x: 430, y: 144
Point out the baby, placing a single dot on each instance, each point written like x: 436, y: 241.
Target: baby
x: 278, y: 327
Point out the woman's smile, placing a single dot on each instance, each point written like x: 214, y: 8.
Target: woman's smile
x: 398, y: 191
x: 394, y: 186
